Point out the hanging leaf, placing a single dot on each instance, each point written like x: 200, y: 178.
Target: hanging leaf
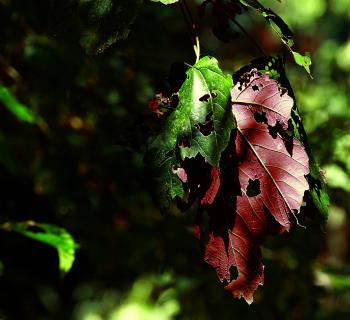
x: 20, y: 111
x: 268, y: 189
x: 274, y: 67
x: 50, y: 234
x: 200, y: 125
x: 282, y: 30
x: 304, y: 61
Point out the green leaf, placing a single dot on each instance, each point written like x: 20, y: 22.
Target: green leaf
x: 165, y: 1
x: 21, y: 112
x: 201, y: 124
x: 105, y: 22
x: 96, y: 24
x: 304, y: 61
x: 318, y: 187
x: 50, y: 234
x: 282, y: 30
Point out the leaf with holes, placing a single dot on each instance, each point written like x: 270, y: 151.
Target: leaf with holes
x: 274, y: 67
x: 269, y: 188
x: 200, y: 125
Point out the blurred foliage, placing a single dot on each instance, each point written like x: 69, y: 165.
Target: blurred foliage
x: 52, y: 235
x: 19, y: 110
x: 80, y: 164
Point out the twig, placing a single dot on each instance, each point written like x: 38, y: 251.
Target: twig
x: 252, y: 40
x: 191, y: 27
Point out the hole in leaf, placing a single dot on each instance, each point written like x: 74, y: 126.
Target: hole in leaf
x: 283, y: 91
x: 183, y: 142
x: 208, y: 126
x: 205, y: 98
x: 233, y: 273
x: 253, y: 188
x: 286, y: 135
x: 260, y: 117
x: 255, y: 87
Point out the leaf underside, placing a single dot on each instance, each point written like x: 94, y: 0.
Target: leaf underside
x: 269, y: 188
x: 318, y: 195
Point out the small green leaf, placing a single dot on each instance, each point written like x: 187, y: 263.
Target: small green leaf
x: 52, y: 235
x: 304, y: 61
x: 165, y: 1
x: 201, y: 124
x: 282, y: 30
x: 21, y: 112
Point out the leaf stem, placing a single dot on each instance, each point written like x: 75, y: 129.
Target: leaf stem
x: 191, y: 27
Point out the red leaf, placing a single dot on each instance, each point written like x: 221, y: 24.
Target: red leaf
x: 271, y: 183
x: 213, y: 188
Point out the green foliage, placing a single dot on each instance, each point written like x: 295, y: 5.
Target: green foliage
x: 95, y: 24
x: 165, y: 1
x: 282, y: 30
x: 85, y: 170
x: 203, y: 101
x: 318, y: 187
x: 106, y: 22
x: 20, y: 111
x: 304, y: 61
x: 50, y: 234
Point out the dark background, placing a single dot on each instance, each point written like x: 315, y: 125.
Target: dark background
x: 80, y: 166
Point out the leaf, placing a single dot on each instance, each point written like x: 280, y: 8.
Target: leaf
x: 304, y: 61
x: 282, y: 30
x: 50, y: 234
x: 165, y: 1
x: 274, y: 67
x: 97, y: 25
x: 200, y: 125
x: 269, y: 188
x: 20, y: 111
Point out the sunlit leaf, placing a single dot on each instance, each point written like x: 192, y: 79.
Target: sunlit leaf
x: 52, y: 235
x: 304, y: 61
x: 201, y: 124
